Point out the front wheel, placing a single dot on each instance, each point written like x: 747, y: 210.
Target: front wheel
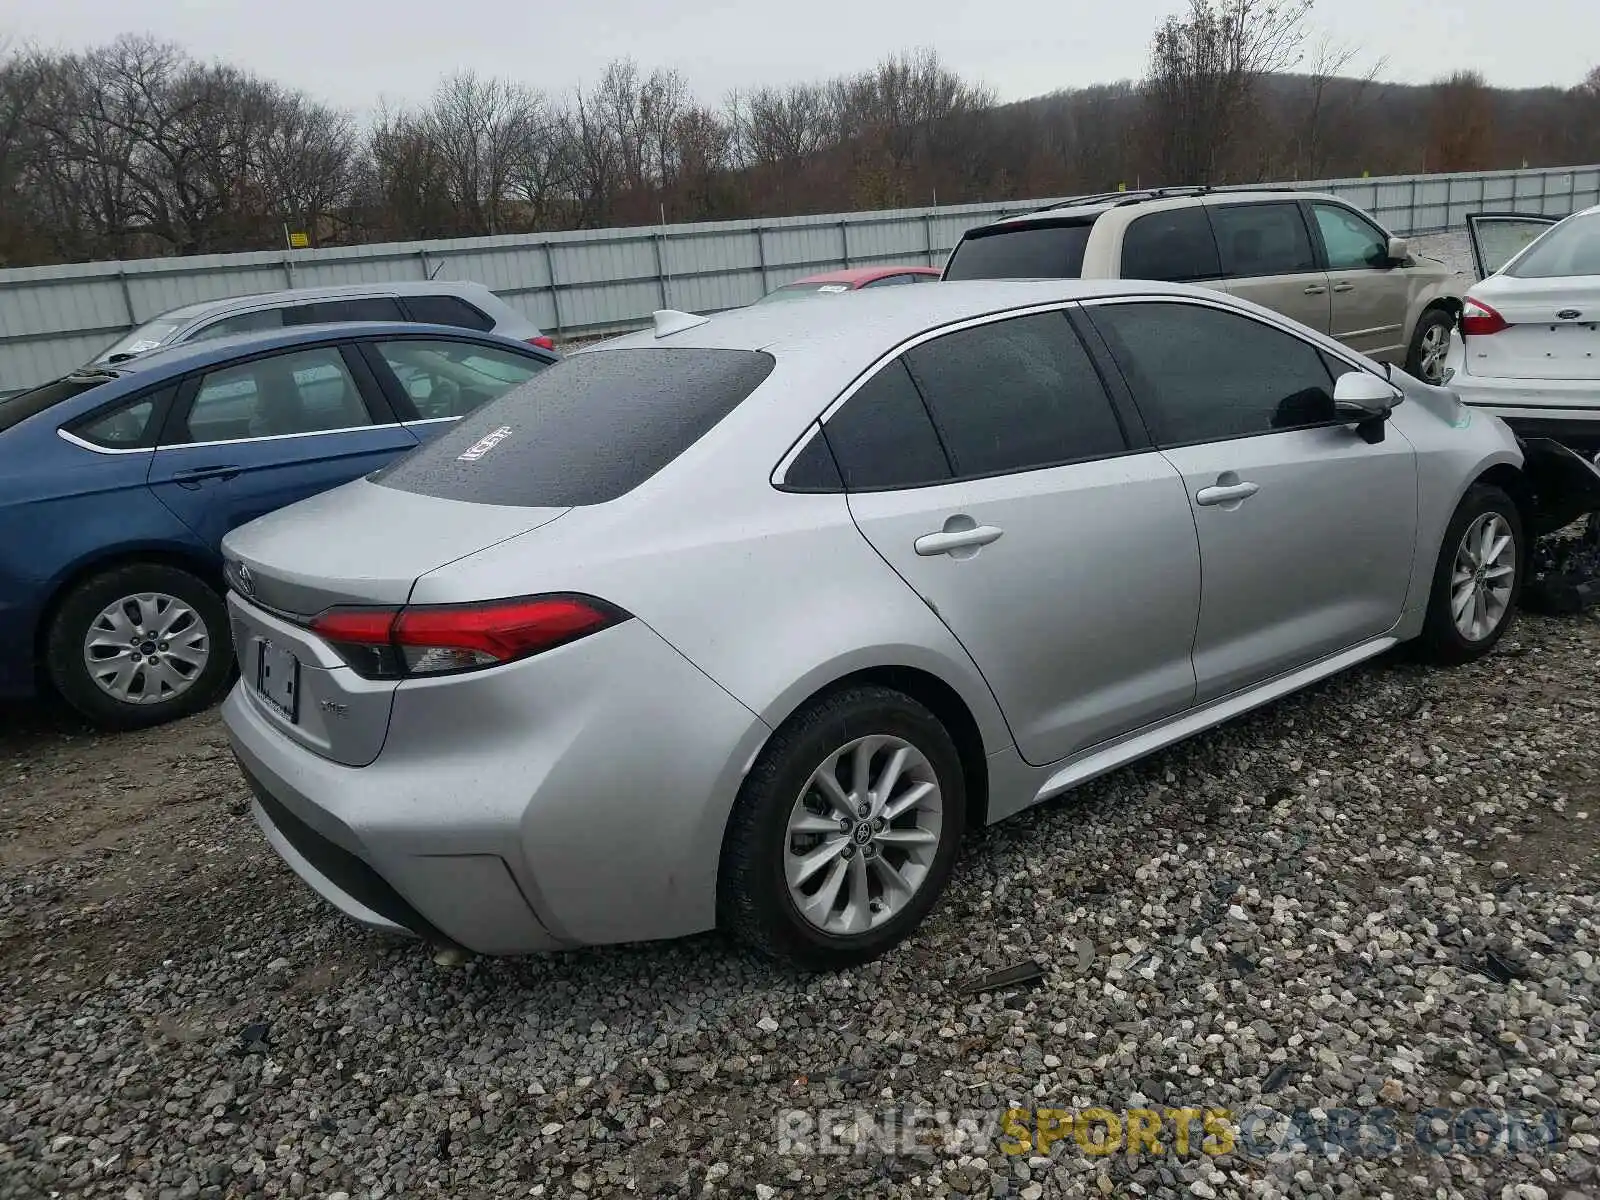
x: 845, y: 831
x: 140, y: 645
x: 1477, y: 579
x: 1430, y: 344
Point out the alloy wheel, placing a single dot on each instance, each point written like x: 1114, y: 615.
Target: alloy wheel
x: 147, y: 648
x: 1482, y: 577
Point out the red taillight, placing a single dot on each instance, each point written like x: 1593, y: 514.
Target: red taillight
x: 1479, y: 320
x: 544, y: 343
x: 436, y: 639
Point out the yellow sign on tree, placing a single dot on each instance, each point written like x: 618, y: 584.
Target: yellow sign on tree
x: 299, y: 240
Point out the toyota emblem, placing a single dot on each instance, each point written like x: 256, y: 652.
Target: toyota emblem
x: 246, y: 584
x: 1568, y: 314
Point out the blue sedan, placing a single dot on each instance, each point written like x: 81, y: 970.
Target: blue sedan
x: 118, y: 483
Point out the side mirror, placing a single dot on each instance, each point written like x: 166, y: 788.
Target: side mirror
x: 1365, y: 401
x: 1399, y: 250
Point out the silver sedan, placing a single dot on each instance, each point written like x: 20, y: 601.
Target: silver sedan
x: 741, y: 622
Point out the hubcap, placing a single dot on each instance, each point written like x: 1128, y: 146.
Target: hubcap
x: 1480, y: 582
x: 146, y: 649
x: 863, y: 834
x: 1435, y: 344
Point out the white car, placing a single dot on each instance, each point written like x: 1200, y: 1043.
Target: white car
x: 1527, y: 347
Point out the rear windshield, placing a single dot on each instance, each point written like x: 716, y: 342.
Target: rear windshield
x: 794, y: 291
x: 25, y: 404
x: 1053, y: 251
x: 1570, y: 248
x: 584, y: 431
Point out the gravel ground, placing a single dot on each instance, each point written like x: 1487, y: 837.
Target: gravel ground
x: 1379, y: 892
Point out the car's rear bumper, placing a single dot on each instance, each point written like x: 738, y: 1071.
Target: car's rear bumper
x: 1565, y: 410
x: 578, y: 797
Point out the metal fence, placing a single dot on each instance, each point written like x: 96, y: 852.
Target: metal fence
x: 591, y: 281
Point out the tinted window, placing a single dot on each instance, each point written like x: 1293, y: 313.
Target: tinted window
x: 1351, y: 240
x: 446, y: 310
x: 1571, y: 248
x: 890, y: 281
x: 18, y: 408
x: 882, y: 437
x: 1200, y: 374
x: 125, y: 426
x: 1053, y: 251
x: 250, y: 322
x: 1262, y: 239
x: 813, y: 469
x: 1173, y: 246
x: 1015, y: 394
x: 583, y: 431
x: 302, y: 392
x: 366, y: 308
x: 451, y: 379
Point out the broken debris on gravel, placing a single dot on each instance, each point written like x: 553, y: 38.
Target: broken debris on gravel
x: 1380, y: 893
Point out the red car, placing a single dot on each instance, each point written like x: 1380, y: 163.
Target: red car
x: 830, y: 283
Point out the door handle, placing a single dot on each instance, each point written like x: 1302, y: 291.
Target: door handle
x: 1343, y: 287
x: 1226, y: 493
x: 194, y: 476
x: 1315, y: 289
x: 944, y: 542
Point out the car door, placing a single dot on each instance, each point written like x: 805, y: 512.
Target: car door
x: 1499, y: 237
x: 1370, y: 298
x: 990, y: 468
x: 251, y: 436
x: 1268, y: 258
x: 1306, y: 531
x: 432, y: 382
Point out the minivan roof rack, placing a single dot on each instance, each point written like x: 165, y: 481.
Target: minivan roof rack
x: 1125, y: 196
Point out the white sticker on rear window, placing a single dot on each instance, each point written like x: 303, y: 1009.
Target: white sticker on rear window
x: 831, y: 288
x: 484, y: 444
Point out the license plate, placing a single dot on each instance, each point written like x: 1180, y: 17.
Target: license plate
x: 278, y: 679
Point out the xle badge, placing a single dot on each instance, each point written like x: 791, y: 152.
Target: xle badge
x: 484, y: 444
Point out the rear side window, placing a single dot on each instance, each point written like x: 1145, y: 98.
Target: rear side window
x: 18, y: 408
x: 882, y: 437
x: 1014, y: 395
x: 127, y: 426
x: 584, y: 431
x: 1171, y: 246
x: 1571, y: 248
x: 1200, y: 374
x: 447, y: 310
x: 1263, y: 239
x: 364, y: 308
x: 1053, y: 251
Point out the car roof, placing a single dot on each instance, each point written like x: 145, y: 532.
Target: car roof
x: 856, y: 276
x: 1092, y: 206
x: 861, y: 325
x: 188, y: 356
x: 408, y: 287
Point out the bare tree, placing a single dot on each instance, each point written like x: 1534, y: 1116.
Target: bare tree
x: 1460, y: 124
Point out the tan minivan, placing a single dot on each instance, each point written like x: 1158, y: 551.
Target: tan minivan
x: 1308, y: 255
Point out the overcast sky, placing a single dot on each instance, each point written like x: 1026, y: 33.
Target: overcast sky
x: 351, y: 52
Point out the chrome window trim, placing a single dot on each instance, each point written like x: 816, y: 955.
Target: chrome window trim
x: 266, y: 437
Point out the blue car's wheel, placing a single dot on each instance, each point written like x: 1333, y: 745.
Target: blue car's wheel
x: 140, y: 645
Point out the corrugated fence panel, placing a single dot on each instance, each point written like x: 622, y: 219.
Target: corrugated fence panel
x: 599, y: 280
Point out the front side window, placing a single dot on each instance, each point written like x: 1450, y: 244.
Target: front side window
x: 1201, y: 374
x: 307, y: 391
x: 362, y: 308
x: 1263, y: 239
x: 882, y: 438
x: 1352, y: 241
x: 451, y: 379
x: 249, y: 322
x: 1016, y: 394
x: 1172, y: 246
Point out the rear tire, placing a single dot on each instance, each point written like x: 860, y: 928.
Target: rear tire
x: 1474, y: 598
x: 825, y: 874
x: 1430, y: 341
x: 140, y: 645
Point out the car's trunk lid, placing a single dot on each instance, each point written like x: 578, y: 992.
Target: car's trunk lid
x: 1553, y: 329
x: 361, y: 544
